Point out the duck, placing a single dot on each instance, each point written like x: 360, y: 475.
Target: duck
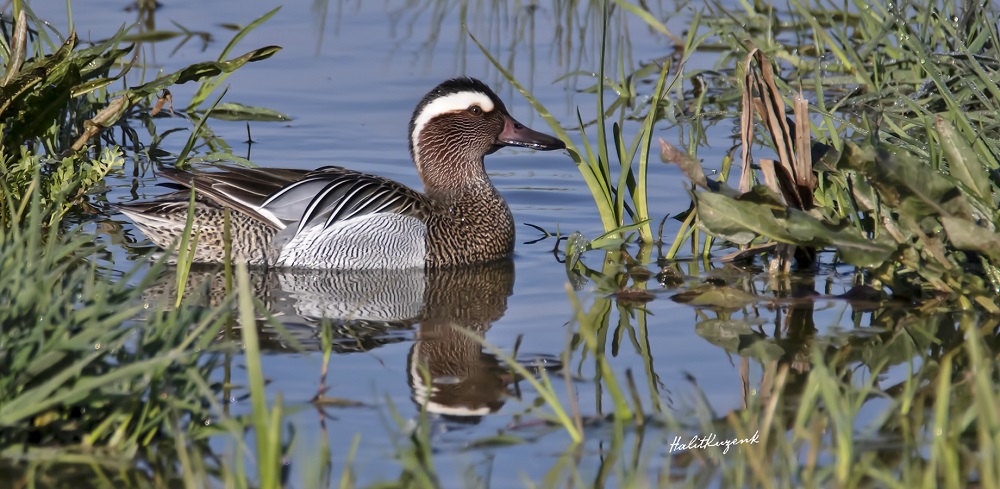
x: 338, y: 218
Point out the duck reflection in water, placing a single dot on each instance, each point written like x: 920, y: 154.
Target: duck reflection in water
x: 447, y: 369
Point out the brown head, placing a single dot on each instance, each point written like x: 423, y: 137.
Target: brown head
x: 458, y: 123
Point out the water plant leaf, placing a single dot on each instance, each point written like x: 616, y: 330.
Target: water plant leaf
x: 690, y: 166
x: 853, y: 247
x: 738, y: 221
x: 963, y: 162
x: 650, y: 20
x: 501, y: 440
x: 36, y: 95
x: 905, y: 183
x: 761, y: 93
x: 765, y: 196
x: 755, y: 214
x: 18, y: 47
x: 202, y: 70
x: 692, y: 169
x: 37, y: 108
x: 633, y: 296
x: 899, y: 346
x: 614, y: 238
x: 576, y: 245
x: 324, y: 401
x: 97, y: 60
x: 209, y: 85
x: 103, y: 119
x: 738, y: 337
x: 233, y: 111
x: 636, y: 182
x: 966, y: 235
x: 117, y: 108
x: 711, y: 296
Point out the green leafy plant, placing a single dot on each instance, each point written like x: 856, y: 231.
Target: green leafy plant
x: 920, y: 218
x: 67, y: 182
x: 52, y: 106
x: 73, y: 371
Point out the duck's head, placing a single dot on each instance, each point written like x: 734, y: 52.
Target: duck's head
x: 458, y: 123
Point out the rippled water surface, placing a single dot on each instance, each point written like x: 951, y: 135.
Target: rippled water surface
x: 350, y: 77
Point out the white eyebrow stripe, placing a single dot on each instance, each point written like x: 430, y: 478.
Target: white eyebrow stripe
x: 449, y: 103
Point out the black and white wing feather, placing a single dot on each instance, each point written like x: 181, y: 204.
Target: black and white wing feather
x: 283, y: 197
x: 332, y: 194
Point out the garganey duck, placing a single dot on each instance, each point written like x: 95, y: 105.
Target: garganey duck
x: 336, y: 218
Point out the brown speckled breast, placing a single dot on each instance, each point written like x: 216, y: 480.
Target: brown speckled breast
x: 469, y: 226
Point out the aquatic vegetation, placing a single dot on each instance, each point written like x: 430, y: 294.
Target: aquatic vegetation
x: 908, y: 194
x: 888, y: 172
x: 55, y: 105
x: 621, y: 201
x: 81, y: 364
x: 89, y: 367
x: 915, y: 218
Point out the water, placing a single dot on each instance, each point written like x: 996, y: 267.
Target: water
x: 350, y: 79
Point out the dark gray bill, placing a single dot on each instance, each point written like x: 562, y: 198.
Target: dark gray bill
x: 516, y: 134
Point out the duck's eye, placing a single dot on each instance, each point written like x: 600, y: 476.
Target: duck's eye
x: 476, y: 110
